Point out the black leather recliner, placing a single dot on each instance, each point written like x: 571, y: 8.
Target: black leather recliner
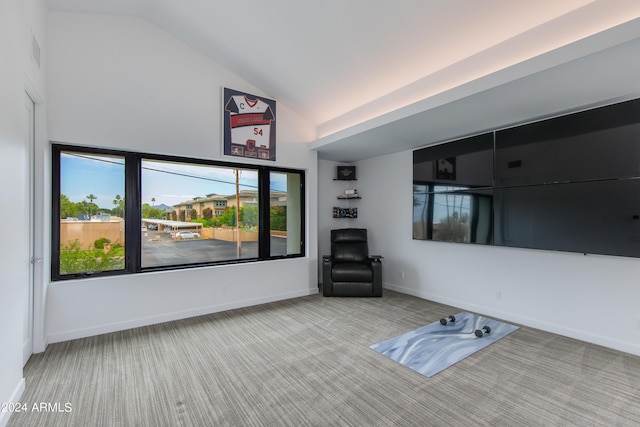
x: 349, y: 271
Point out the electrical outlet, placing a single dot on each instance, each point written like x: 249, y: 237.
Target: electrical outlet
x: 498, y: 295
x: 638, y: 323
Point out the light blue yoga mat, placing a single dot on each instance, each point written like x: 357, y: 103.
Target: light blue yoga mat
x: 432, y: 348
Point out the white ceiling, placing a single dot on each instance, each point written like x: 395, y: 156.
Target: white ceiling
x: 379, y: 76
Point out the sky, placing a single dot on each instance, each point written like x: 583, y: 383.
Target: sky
x: 168, y: 182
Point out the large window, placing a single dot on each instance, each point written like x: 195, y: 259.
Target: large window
x: 90, y: 216
x: 193, y: 230
x: 285, y: 197
x: 122, y: 213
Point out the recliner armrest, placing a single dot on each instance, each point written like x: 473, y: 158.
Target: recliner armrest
x: 327, y: 282
x: 376, y: 266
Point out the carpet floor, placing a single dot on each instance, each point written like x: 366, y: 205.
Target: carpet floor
x: 307, y: 362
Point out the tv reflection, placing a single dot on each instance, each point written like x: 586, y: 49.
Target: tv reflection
x: 451, y: 213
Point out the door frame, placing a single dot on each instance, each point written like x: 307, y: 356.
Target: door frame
x: 39, y: 153
x: 27, y: 344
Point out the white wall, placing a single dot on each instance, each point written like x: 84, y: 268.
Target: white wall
x: 19, y: 19
x: 121, y: 82
x: 592, y: 298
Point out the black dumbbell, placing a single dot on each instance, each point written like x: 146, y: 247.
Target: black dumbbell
x: 484, y: 330
x: 447, y: 319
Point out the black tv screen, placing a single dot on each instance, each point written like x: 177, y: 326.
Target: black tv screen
x: 598, y: 217
x: 448, y: 190
x: 570, y: 183
x: 603, y: 143
x: 464, y: 163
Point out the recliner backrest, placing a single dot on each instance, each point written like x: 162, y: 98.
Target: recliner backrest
x: 349, y: 245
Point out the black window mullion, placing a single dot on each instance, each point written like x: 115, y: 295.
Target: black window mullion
x: 264, y: 220
x: 55, y: 213
x: 133, y: 216
x: 303, y: 214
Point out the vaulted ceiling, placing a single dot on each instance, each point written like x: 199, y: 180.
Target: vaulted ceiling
x: 381, y: 76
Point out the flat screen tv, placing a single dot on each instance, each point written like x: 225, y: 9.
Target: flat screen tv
x: 570, y: 183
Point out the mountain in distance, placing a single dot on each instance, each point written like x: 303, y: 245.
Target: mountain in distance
x: 163, y: 207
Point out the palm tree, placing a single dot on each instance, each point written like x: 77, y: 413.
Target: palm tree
x: 91, y: 198
x: 118, y: 201
x: 153, y: 202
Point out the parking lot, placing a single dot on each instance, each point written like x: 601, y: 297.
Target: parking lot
x: 160, y: 249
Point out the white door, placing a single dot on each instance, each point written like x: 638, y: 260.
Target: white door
x: 27, y: 201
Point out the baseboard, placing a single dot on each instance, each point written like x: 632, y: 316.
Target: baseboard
x: 169, y: 317
x: 15, y: 398
x: 553, y: 328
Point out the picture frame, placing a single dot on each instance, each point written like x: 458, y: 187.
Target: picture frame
x: 346, y: 173
x: 446, y: 169
x: 339, y: 212
x: 249, y: 125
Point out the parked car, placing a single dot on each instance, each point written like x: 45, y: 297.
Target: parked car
x: 187, y: 235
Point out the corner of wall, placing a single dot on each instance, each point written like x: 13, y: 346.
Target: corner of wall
x: 15, y: 398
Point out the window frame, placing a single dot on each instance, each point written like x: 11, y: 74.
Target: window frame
x: 133, y: 214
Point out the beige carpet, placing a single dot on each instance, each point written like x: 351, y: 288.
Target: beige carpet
x: 307, y: 362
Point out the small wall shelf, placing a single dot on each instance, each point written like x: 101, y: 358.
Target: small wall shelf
x: 346, y: 174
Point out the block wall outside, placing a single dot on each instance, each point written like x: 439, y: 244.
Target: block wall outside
x: 87, y: 232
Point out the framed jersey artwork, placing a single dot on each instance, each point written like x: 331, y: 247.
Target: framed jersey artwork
x: 249, y: 125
